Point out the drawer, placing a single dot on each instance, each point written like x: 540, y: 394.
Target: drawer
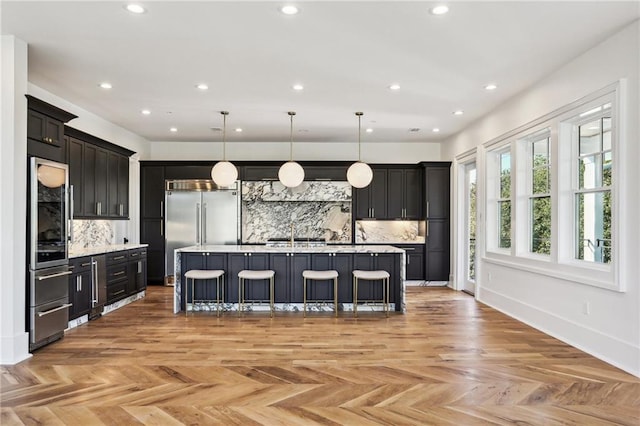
x: 136, y: 254
x: 117, y: 257
x: 116, y: 272
x: 80, y: 264
x: 116, y: 291
x: 49, y: 319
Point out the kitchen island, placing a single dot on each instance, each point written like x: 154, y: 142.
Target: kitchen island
x: 288, y: 264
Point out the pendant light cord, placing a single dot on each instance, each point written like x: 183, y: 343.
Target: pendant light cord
x: 291, y: 114
x: 224, y: 134
x: 359, y: 114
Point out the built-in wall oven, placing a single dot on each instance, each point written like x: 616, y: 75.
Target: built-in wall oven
x: 48, y: 310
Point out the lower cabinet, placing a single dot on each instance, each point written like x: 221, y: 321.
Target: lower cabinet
x: 80, y: 287
x: 255, y: 290
x: 414, y: 260
x: 288, y: 279
x: 372, y: 290
x: 137, y: 276
x: 203, y: 291
x: 288, y: 283
x: 323, y: 290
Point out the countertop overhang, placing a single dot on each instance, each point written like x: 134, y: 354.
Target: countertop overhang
x: 299, y: 249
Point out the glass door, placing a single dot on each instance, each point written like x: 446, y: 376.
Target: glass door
x: 470, y: 228
x: 49, y: 214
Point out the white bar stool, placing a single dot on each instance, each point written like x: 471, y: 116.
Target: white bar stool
x: 382, y: 276
x: 248, y: 274
x: 320, y: 276
x: 197, y: 274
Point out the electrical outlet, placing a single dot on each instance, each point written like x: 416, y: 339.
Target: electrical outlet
x: 586, y: 308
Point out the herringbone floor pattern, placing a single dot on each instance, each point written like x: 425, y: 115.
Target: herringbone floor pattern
x: 448, y: 361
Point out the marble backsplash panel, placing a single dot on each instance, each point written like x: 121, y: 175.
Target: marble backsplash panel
x: 316, y: 210
x: 97, y: 233
x: 390, y: 231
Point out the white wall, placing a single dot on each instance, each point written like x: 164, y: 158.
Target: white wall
x: 612, y: 329
x: 14, y: 341
x: 410, y: 153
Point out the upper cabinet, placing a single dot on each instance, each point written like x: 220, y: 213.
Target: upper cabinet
x: 45, y: 130
x: 437, y: 190
x: 437, y: 208
x: 98, y: 177
x: 394, y: 193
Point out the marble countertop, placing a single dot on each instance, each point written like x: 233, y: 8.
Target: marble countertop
x: 264, y: 249
x: 103, y: 249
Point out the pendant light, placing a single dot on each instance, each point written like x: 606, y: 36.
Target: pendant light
x: 359, y: 174
x: 224, y: 173
x: 291, y: 174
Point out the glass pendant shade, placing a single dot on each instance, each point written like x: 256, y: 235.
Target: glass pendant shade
x: 51, y: 177
x: 291, y: 174
x: 359, y: 174
x: 224, y: 173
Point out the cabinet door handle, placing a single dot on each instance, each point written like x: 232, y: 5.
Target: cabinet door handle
x: 162, y: 228
x: 427, y: 228
x: 121, y: 209
x: 139, y: 266
x: 427, y: 209
x: 161, y: 208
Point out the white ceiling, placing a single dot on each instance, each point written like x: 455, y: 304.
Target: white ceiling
x: 346, y: 54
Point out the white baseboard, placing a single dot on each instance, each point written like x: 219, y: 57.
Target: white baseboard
x: 616, y: 352
x: 14, y: 349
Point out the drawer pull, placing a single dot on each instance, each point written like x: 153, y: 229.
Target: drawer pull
x: 118, y: 257
x: 59, y: 308
x: 118, y: 292
x: 115, y: 274
x: 85, y: 264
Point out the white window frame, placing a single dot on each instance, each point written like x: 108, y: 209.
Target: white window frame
x: 561, y: 263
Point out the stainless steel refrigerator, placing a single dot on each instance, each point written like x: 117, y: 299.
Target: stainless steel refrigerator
x: 199, y: 213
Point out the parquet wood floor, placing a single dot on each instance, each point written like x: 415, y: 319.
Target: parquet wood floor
x: 448, y: 361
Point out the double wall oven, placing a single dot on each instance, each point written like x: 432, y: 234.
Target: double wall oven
x: 48, y: 287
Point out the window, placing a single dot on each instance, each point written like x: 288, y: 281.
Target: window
x: 540, y: 196
x: 504, y: 201
x: 551, y: 193
x: 592, y: 192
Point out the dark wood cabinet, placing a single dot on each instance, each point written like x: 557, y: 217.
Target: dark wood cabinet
x: 394, y: 193
x: 288, y: 278
x: 323, y: 290
x: 45, y: 130
x: 80, y: 287
x: 437, y: 211
x: 152, y: 180
x: 117, y: 275
x: 137, y: 277
x: 152, y: 233
x: 152, y: 191
x: 414, y: 260
x: 404, y: 194
x: 371, y: 201
x: 99, y: 175
x: 254, y: 290
x: 203, y: 290
x: 389, y: 262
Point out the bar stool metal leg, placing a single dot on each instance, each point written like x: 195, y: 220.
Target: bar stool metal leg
x: 271, y: 299
x: 355, y: 296
x: 335, y: 295
x: 304, y: 297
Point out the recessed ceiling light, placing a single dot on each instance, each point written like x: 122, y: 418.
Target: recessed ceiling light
x: 202, y: 86
x: 289, y: 10
x: 106, y: 85
x: 435, y: 130
x: 490, y: 86
x: 173, y: 129
x: 238, y: 129
x: 458, y: 112
x: 369, y: 130
x: 414, y: 129
x: 394, y: 86
x: 145, y: 112
x: 135, y: 8
x: 298, y: 87
x: 439, y: 10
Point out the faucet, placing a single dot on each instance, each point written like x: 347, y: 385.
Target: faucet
x: 291, y: 234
